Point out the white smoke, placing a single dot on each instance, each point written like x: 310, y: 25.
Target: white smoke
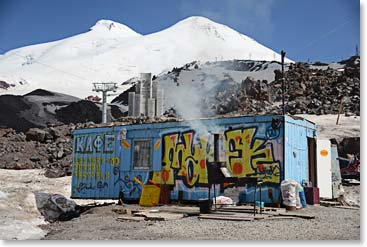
x: 188, y: 100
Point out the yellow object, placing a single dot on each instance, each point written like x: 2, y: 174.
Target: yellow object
x: 149, y: 196
x: 324, y: 152
x: 157, y: 144
x: 125, y: 144
x: 138, y: 181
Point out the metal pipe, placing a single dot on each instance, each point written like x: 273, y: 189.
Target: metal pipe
x: 260, y: 198
x: 255, y: 200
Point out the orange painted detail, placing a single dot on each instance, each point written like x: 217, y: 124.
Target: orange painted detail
x: 237, y: 168
x: 202, y: 164
x: 125, y: 144
x: 247, y: 138
x: 260, y: 167
x: 227, y: 184
x: 154, y: 183
x: 165, y: 175
x: 324, y: 152
x: 157, y: 144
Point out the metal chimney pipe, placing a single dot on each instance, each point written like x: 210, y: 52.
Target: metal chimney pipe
x: 216, y: 147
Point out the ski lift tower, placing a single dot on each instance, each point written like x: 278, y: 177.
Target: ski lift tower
x: 104, y: 87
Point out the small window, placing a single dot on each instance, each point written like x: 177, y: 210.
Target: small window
x: 142, y: 158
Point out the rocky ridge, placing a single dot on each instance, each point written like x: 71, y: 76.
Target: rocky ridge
x: 309, y: 90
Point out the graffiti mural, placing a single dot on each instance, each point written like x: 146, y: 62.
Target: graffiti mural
x: 184, y: 157
x: 103, y: 164
x: 126, y: 183
x: 249, y: 156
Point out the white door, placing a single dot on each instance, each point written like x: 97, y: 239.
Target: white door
x: 324, y: 175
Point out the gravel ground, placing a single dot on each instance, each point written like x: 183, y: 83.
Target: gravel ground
x: 20, y: 219
x: 100, y: 223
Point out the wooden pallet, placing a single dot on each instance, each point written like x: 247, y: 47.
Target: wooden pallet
x: 248, y: 209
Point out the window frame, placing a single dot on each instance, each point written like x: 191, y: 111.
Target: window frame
x: 150, y: 161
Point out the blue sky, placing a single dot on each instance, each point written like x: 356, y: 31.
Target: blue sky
x: 315, y: 30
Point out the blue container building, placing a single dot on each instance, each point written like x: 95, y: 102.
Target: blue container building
x: 108, y: 161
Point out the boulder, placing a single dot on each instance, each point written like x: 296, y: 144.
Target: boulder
x: 55, y: 207
x: 54, y: 173
x: 36, y: 134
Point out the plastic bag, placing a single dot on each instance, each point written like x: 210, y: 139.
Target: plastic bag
x: 288, y: 188
x: 223, y: 200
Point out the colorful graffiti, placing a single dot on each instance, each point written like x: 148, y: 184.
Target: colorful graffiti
x: 246, y: 151
x: 245, y: 155
x: 88, y: 171
x: 83, y: 187
x: 248, y: 156
x: 184, y: 157
x: 87, y: 167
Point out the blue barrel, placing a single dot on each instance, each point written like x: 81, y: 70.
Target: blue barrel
x: 302, y: 198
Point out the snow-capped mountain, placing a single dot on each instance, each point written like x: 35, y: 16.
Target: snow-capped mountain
x: 111, y: 51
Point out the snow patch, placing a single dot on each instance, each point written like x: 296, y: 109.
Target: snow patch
x: 3, y: 195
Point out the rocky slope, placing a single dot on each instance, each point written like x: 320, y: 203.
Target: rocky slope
x: 40, y: 108
x: 248, y: 87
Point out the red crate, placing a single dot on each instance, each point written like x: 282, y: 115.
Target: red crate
x: 312, y: 195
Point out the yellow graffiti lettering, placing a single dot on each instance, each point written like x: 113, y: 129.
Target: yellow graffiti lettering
x: 186, y: 159
x: 248, y: 156
x: 114, y: 161
x: 84, y: 171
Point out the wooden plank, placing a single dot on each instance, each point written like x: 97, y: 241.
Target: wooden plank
x: 230, y: 218
x: 155, y: 218
x: 178, y: 209
x: 251, y: 211
x: 281, y: 218
x: 347, y: 207
x: 329, y: 203
x: 130, y: 218
x: 140, y: 214
x: 304, y: 216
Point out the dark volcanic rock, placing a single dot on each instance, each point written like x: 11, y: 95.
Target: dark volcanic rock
x: 55, y: 173
x: 308, y: 90
x: 40, y: 92
x: 349, y: 146
x: 116, y: 112
x: 79, y: 112
x: 35, y: 134
x: 124, y: 97
x: 11, y: 107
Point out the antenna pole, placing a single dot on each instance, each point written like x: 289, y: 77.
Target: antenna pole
x: 282, y: 53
